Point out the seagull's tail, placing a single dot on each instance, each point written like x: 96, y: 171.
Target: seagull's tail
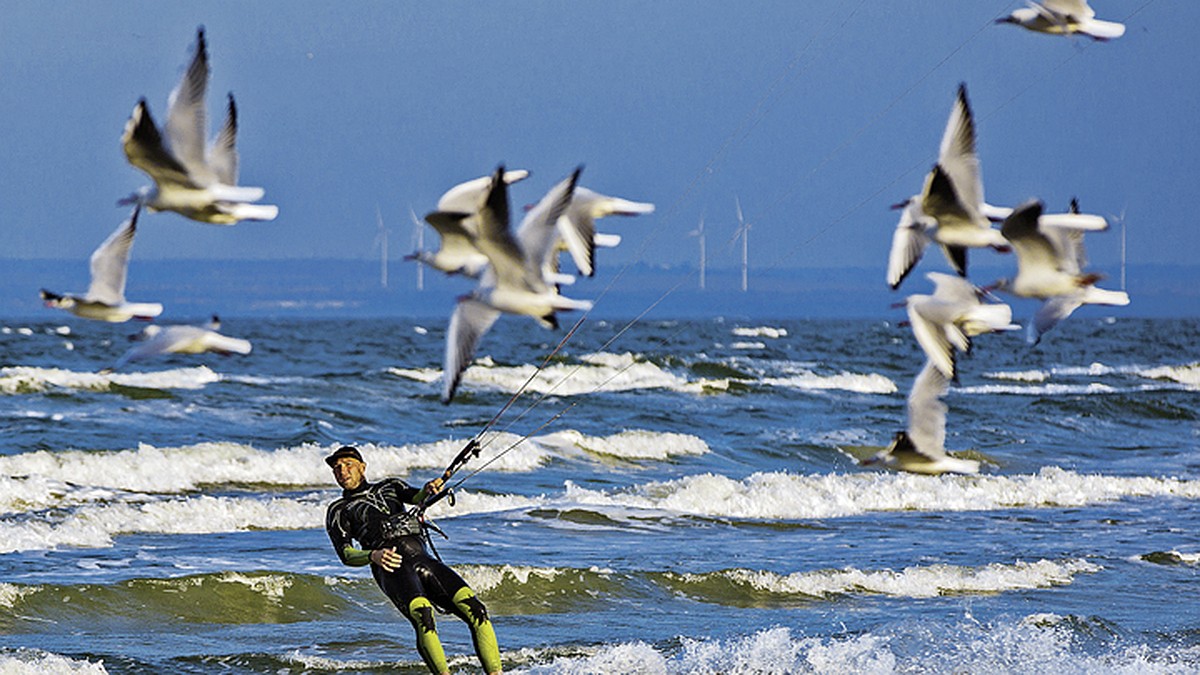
x: 1102, y: 30
x: 1100, y: 296
x: 624, y: 207
x: 241, y: 211
x: 568, y: 304
x: 230, y: 345
x: 603, y: 240
x: 145, y: 310
x: 988, y: 318
x: 235, y: 193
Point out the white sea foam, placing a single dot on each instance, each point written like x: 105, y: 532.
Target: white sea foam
x: 29, y: 379
x: 1040, y: 390
x: 40, y: 479
x: 760, y: 332
x: 1020, y: 375
x: 37, y: 662
x: 11, y: 594
x: 1188, y: 374
x: 776, y: 496
x: 484, y: 578
x: 871, y: 383
x: 1023, y: 646
x: 748, y: 345
x: 629, y: 444
x: 911, y: 582
x: 594, y: 372
x: 94, y: 526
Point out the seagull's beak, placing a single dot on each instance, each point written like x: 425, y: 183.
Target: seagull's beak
x: 899, y: 205
x: 126, y: 201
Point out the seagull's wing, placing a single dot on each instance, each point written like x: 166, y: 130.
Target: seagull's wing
x: 909, y: 242
x: 927, y: 412
x: 468, y: 196
x: 110, y: 261
x: 941, y: 200
x: 494, y: 238
x: 957, y: 152
x: 1034, y: 250
x: 1068, y: 247
x: 931, y: 336
x: 1051, y: 312
x: 538, y: 234
x: 222, y: 155
x: 187, y: 116
x: 151, y: 345
x: 144, y: 148
x: 1077, y: 10
x: 223, y: 344
x: 471, y: 319
x: 450, y: 227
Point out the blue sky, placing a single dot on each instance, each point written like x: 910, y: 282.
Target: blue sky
x: 817, y: 115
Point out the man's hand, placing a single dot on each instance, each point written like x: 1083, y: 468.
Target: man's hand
x: 387, y: 558
x: 433, y: 487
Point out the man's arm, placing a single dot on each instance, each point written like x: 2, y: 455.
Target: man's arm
x: 341, y: 539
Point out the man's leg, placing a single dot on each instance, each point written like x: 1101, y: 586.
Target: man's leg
x: 471, y: 610
x: 420, y: 613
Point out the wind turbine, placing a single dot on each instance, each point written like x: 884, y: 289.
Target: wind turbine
x: 743, y: 231
x: 699, y: 232
x: 381, y: 241
x: 419, y: 233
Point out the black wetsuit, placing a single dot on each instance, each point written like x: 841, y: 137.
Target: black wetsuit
x: 376, y: 515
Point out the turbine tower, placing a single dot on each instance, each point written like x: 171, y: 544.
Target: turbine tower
x: 419, y: 234
x: 381, y: 241
x: 699, y: 234
x: 743, y: 231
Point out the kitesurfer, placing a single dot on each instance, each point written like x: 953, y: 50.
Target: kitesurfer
x: 390, y: 539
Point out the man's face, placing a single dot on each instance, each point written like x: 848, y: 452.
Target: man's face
x: 348, y: 472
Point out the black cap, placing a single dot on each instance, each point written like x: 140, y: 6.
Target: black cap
x: 344, y: 451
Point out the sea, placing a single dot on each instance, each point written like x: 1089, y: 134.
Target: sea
x: 652, y: 496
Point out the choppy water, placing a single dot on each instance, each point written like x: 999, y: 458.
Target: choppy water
x: 696, y: 508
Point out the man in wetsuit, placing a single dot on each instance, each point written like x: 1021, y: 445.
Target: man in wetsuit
x: 376, y: 515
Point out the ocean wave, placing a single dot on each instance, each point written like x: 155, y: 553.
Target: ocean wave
x: 1036, y: 645
x: 787, y: 496
x: 742, y: 586
x: 43, y: 479
x: 191, y: 467
x: 220, y: 597
x: 94, y: 526
x: 34, y: 380
x: 1042, y: 390
x: 631, y: 444
x: 599, y: 372
x: 1188, y: 374
x: 871, y: 383
x: 760, y: 332
x: 38, y: 662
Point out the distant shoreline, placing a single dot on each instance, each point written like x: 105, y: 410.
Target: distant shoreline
x: 192, y: 289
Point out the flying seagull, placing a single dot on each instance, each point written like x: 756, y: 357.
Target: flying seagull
x: 577, y: 226
x: 1064, y: 17
x: 105, y: 297
x: 950, y: 209
x: 922, y: 447
x: 157, y: 340
x: 947, y: 320
x: 515, y: 281
x: 193, y: 179
x: 1050, y: 262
